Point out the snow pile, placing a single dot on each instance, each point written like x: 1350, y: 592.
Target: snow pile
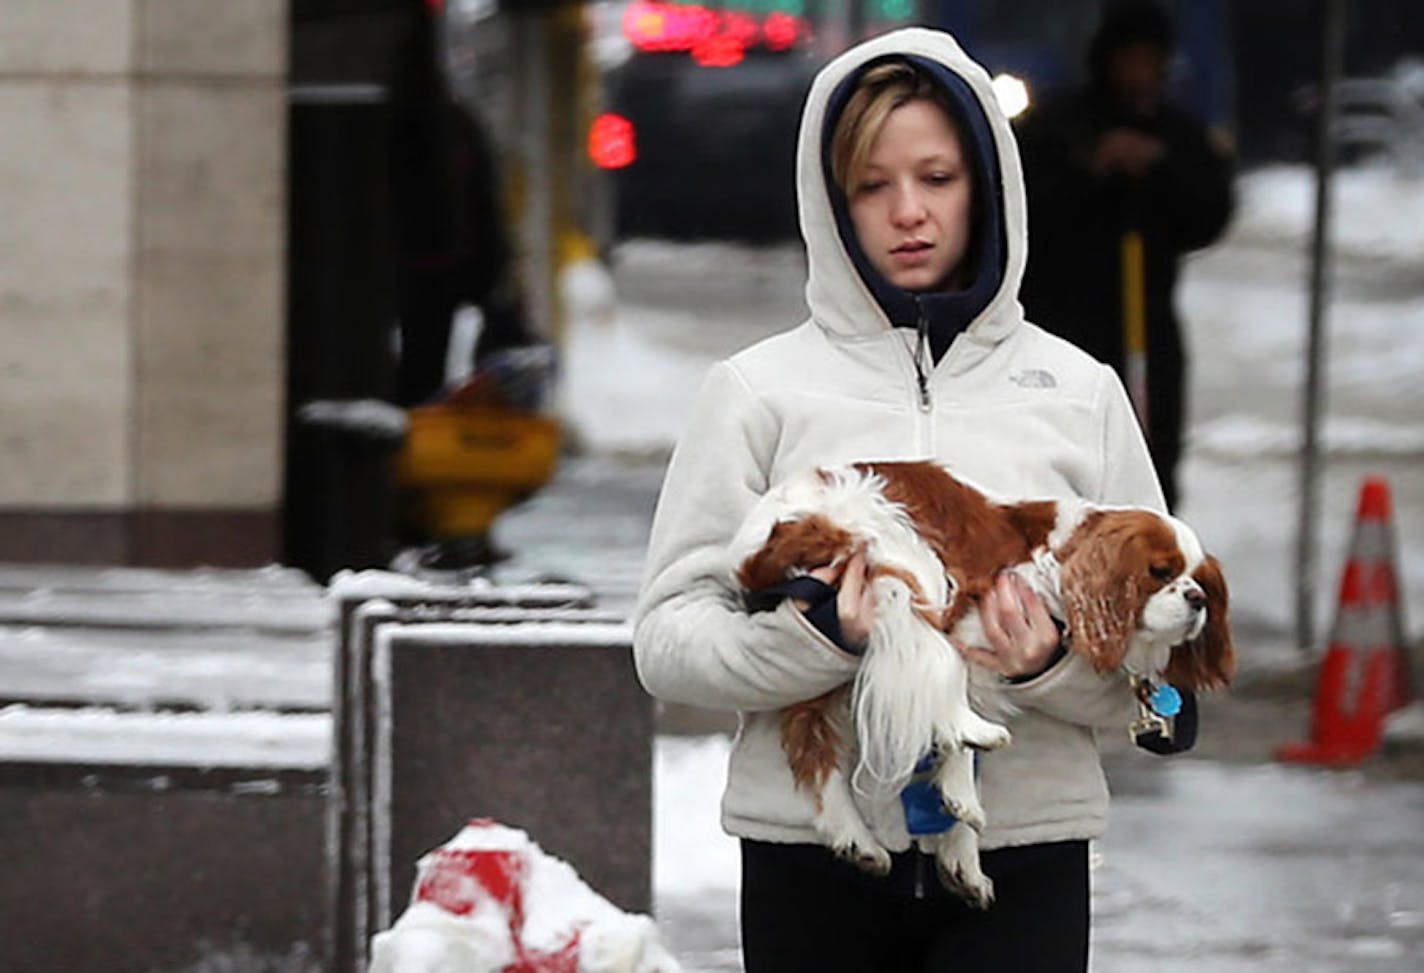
x: 625, y: 393
x: 1405, y: 727
x: 636, y: 350
x: 490, y: 900
x: 103, y: 736
x: 367, y: 417
x: 1242, y: 435
x: 588, y: 292
x: 692, y: 856
x: 349, y: 585
x: 1376, y: 212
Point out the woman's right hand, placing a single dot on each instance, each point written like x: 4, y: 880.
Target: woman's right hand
x: 855, y: 598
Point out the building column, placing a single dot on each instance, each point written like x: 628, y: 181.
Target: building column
x: 142, y: 174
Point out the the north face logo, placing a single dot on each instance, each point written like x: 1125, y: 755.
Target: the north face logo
x: 1034, y: 378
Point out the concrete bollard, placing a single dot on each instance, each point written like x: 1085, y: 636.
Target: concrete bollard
x: 147, y: 841
x: 506, y: 696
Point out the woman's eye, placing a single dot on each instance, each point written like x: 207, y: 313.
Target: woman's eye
x: 941, y: 178
x: 869, y: 186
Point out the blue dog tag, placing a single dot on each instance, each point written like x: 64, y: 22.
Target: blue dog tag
x: 1165, y: 701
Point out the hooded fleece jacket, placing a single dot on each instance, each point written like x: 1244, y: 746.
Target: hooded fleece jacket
x: 1007, y: 406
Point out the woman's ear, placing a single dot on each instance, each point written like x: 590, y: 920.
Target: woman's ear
x: 1100, y: 594
x: 1209, y: 660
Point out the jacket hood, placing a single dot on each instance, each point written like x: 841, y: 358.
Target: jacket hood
x: 845, y: 295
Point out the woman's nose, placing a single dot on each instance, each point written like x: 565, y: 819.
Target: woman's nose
x: 908, y: 209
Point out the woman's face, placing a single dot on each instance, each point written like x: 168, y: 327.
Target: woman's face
x: 911, y: 203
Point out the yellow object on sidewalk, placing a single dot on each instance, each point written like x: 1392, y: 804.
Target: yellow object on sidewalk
x: 464, y: 465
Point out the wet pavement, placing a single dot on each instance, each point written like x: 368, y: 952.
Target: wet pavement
x: 1216, y: 867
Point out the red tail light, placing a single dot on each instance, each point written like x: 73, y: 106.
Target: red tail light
x: 782, y: 31
x: 719, y: 51
x: 714, y: 38
x: 612, y: 142
x: 654, y: 26
x: 743, y: 27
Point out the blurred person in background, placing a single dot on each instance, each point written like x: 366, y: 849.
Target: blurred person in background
x: 452, y: 243
x: 1121, y: 184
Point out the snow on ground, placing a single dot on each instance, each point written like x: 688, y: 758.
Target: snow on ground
x: 99, y: 736
x: 629, y: 376
x: 616, y: 370
x: 1377, y: 212
x: 691, y: 854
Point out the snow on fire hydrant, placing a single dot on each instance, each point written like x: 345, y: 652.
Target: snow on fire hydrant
x: 491, y: 900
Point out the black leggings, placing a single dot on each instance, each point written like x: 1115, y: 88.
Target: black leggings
x: 805, y: 909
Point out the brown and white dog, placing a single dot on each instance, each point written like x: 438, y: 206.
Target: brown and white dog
x: 1134, y: 589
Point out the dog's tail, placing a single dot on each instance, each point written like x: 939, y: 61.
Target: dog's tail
x: 910, y: 678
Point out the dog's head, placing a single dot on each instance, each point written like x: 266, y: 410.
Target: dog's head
x: 1138, y: 589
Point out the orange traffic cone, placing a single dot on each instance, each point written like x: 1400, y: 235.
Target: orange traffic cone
x: 1365, y: 673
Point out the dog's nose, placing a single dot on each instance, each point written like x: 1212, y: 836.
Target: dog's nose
x: 1196, y: 598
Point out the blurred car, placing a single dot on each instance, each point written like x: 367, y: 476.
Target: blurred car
x: 714, y: 101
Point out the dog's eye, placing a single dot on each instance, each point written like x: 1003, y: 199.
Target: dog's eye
x: 1161, y: 572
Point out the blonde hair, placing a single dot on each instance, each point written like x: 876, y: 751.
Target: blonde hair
x: 880, y: 91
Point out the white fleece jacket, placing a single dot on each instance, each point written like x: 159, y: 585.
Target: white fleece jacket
x: 1012, y: 408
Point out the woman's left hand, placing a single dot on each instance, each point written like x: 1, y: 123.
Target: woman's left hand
x: 1021, y: 633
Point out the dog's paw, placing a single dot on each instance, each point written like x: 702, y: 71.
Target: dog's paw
x: 841, y: 827
x: 957, y: 862
x: 869, y: 857
x: 983, y: 735
x: 958, y: 790
x: 970, y: 884
x: 966, y: 809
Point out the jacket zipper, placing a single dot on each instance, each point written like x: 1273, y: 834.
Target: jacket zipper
x: 921, y: 357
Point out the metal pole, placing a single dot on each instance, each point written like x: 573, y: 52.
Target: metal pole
x: 1332, y: 48
x: 855, y: 22
x: 536, y: 218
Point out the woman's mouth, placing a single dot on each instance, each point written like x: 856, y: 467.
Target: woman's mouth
x: 911, y: 252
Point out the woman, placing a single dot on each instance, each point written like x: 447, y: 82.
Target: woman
x: 912, y: 207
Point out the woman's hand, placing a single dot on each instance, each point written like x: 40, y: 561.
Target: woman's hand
x: 855, y: 599
x: 1021, y: 633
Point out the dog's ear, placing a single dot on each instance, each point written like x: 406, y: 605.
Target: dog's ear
x: 1209, y: 660
x: 805, y: 543
x: 1100, y: 593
